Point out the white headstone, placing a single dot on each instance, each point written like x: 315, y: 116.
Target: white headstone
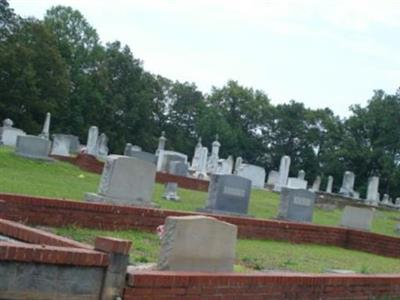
x: 372, y: 191
x: 197, y: 243
x: 91, y: 144
x: 102, y: 145
x: 195, y: 166
x: 347, y: 188
x: 273, y: 177
x: 212, y: 163
x: 161, y: 142
x: 301, y: 174
x: 283, y: 173
x: 166, y: 156
x: 9, y: 134
x: 296, y: 183
x: 202, y: 172
x: 316, y: 184
x: 62, y: 144
x: 254, y: 173
x: 171, y: 191
x: 46, y: 127
x: 329, y: 184
x: 125, y: 181
x: 357, y: 217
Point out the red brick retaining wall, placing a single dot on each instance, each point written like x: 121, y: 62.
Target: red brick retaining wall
x: 53, y: 212
x: 223, y: 286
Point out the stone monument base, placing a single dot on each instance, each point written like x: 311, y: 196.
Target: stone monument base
x: 94, y: 197
x: 38, y: 157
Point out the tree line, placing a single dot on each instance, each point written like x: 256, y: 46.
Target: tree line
x: 59, y: 65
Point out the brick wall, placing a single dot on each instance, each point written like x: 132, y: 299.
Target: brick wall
x: 53, y: 212
x: 90, y: 163
x: 223, y: 286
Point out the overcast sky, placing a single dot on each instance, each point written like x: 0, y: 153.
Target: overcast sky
x: 323, y: 53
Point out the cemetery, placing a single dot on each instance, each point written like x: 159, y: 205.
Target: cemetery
x: 118, y: 183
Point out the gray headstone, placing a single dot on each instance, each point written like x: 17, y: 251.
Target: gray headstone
x: 197, y: 243
x: 228, y: 194
x: 75, y: 146
x: 316, y: 184
x: 147, y: 156
x: 35, y: 147
x: 296, y: 205
x: 273, y: 177
x: 63, y: 144
x: 372, y: 190
x: 125, y: 180
x: 178, y: 168
x: 102, y: 145
x: 357, y: 217
x: 46, y: 127
x: 347, y: 188
x: 171, y: 191
x: 91, y: 143
x: 9, y: 134
x: 166, y: 156
x: 195, y: 166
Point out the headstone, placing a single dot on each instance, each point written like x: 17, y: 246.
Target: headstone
x: 296, y: 205
x: 46, y: 127
x: 357, y: 217
x: 9, y: 134
x: 296, y: 183
x: 195, y: 166
x: 329, y: 185
x: 63, y: 144
x: 238, y: 164
x: 35, y: 147
x: 273, y: 177
x: 385, y: 199
x: 125, y: 181
x: 178, y: 168
x: 301, y: 174
x: 197, y: 244
x: 228, y: 194
x: 254, y: 173
x: 102, y: 145
x: 75, y: 145
x: 166, y: 156
x: 347, y: 188
x: 161, y: 143
x: 202, y: 172
x: 283, y: 173
x: 225, y: 166
x: 92, y: 144
x: 171, y: 191
x: 129, y: 148
x: 397, y: 202
x: 372, y: 190
x: 316, y: 184
x: 212, y: 163
x: 147, y: 156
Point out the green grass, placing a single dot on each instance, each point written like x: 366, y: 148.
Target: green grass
x: 63, y: 180
x: 256, y: 254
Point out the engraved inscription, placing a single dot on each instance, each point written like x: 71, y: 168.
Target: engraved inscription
x: 234, y: 191
x: 302, y: 201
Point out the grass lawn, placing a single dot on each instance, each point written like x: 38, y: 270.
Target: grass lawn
x: 63, y: 180
x: 256, y: 254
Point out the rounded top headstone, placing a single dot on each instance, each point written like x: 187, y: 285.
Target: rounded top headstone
x: 8, y: 123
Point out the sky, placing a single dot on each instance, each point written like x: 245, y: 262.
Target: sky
x: 330, y: 53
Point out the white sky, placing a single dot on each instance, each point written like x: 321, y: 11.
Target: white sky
x: 323, y: 53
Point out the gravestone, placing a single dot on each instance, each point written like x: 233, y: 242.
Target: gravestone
x: 171, y: 191
x: 212, y: 162
x: 273, y: 177
x: 301, y: 174
x: 125, y: 181
x: 197, y: 243
x: 283, y: 173
x: 347, y: 188
x: 35, y: 147
x: 373, y: 190
x: 46, y: 127
x: 296, y: 183
x: 129, y: 148
x: 202, y: 172
x: 147, y: 156
x: 63, y: 144
x: 357, y: 217
x: 225, y: 166
x: 228, y: 194
x: 166, y: 156
x: 316, y: 184
x: 75, y: 146
x: 9, y: 134
x: 254, y: 173
x: 91, y: 144
x: 296, y: 205
x: 329, y: 184
x: 161, y: 143
x: 102, y: 146
x: 178, y: 168
x: 195, y: 166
